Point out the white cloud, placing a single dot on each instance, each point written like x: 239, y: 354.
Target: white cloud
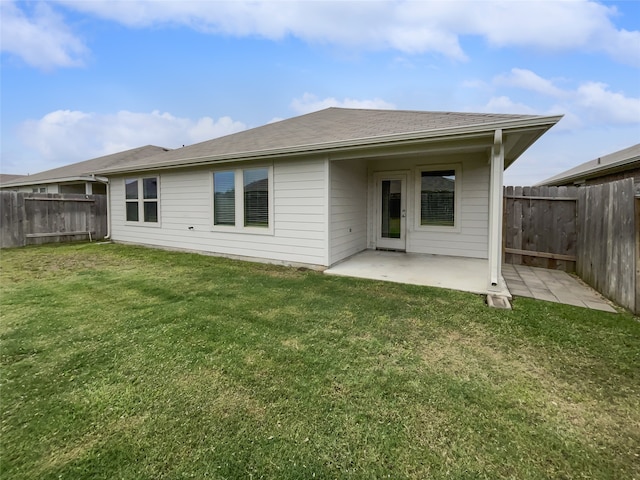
x: 42, y: 40
x: 408, y: 26
x: 67, y: 136
x: 621, y: 45
x: 590, y: 102
x: 607, y: 106
x: 528, y: 80
x: 311, y: 103
x: 504, y: 104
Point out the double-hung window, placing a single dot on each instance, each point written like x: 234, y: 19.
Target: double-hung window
x: 224, y: 198
x: 256, y: 197
x: 439, y: 197
x: 242, y: 199
x: 141, y: 197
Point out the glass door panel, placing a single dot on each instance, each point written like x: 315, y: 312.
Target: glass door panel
x: 391, y: 211
x: 391, y: 208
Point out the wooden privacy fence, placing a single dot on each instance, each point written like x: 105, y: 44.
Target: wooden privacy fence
x: 34, y: 219
x: 609, y: 241
x: 540, y: 227
x: 591, y: 230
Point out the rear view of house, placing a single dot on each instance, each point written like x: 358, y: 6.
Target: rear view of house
x: 319, y: 188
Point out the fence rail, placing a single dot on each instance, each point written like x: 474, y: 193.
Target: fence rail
x: 34, y: 219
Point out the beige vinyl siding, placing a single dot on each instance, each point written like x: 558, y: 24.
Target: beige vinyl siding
x: 471, y: 238
x: 186, y: 201
x: 348, y: 212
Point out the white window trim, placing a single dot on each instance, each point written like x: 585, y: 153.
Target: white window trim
x: 238, y: 178
x: 140, y: 222
x: 457, y: 168
x: 212, y: 185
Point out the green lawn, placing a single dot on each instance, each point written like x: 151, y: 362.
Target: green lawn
x: 125, y: 362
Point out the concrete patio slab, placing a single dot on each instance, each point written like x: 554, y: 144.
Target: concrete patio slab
x: 456, y: 273
x: 552, y: 286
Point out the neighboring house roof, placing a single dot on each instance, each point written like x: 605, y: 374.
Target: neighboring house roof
x: 440, y: 184
x: 335, y: 129
x: 6, y: 177
x: 621, y: 160
x: 83, y: 171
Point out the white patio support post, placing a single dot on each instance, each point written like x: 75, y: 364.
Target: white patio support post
x: 495, y: 210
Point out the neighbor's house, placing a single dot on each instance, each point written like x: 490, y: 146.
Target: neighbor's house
x: 7, y: 177
x: 615, y: 166
x: 319, y: 188
x: 76, y: 177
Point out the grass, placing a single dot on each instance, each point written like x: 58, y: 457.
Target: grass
x: 125, y: 362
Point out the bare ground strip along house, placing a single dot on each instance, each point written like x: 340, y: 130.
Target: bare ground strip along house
x: 319, y: 188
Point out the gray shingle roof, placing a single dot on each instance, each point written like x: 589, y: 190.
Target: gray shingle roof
x: 7, y: 177
x: 322, y: 129
x: 593, y: 168
x: 87, y: 167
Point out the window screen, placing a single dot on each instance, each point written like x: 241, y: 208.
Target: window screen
x: 437, y: 198
x: 256, y: 197
x: 147, y: 189
x: 224, y: 198
x: 131, y: 193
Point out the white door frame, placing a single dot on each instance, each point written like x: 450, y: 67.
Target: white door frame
x: 386, y: 242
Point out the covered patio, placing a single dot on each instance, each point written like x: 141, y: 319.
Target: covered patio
x: 470, y: 275
x: 457, y: 273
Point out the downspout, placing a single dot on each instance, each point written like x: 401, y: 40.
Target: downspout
x: 495, y: 210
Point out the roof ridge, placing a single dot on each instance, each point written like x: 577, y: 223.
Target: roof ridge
x: 439, y: 112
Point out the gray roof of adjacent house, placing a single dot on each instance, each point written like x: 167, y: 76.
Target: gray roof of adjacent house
x: 621, y: 160
x: 335, y: 129
x: 7, y: 177
x: 84, y: 171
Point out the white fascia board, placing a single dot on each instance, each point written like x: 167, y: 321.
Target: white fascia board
x: 427, y: 135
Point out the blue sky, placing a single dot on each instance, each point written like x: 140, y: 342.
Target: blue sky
x: 82, y: 79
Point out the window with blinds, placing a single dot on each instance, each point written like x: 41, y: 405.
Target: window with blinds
x: 242, y: 198
x: 224, y: 198
x: 256, y: 197
x: 437, y: 198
